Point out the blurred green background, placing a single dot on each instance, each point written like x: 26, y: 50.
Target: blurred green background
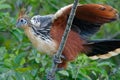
x: 20, y: 61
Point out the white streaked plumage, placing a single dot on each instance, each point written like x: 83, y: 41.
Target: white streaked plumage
x: 44, y: 46
x: 35, y: 20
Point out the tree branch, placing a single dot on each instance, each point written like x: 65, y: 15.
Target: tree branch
x: 51, y: 73
x: 114, y: 35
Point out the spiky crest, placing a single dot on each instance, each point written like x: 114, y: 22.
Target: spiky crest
x: 24, y: 12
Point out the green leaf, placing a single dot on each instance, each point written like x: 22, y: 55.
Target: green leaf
x: 2, y: 1
x: 3, y: 69
x: 63, y: 72
x: 4, y: 6
x: 23, y: 69
x: 42, y: 69
x: 8, y: 63
x: 3, y: 51
x: 105, y: 64
x: 19, y: 58
x: 18, y: 76
x: 17, y: 34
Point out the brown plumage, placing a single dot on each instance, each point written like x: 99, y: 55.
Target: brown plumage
x: 46, y: 33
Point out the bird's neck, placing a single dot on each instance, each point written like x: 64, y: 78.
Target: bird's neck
x: 43, y: 44
x: 29, y: 33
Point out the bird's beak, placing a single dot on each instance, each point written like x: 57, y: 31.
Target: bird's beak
x: 18, y: 25
x: 119, y: 16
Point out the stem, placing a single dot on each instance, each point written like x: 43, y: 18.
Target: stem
x: 51, y: 74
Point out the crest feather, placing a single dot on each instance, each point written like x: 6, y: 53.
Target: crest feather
x: 24, y: 12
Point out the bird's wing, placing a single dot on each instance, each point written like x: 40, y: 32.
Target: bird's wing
x: 88, y: 18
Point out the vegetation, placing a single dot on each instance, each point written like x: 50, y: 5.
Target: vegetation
x: 19, y: 60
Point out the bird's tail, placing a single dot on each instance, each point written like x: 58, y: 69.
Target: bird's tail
x: 103, y: 49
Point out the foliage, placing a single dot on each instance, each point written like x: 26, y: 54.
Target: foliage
x: 20, y: 61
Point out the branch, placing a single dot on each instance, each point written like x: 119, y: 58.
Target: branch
x: 51, y: 4
x: 51, y: 73
x: 114, y: 36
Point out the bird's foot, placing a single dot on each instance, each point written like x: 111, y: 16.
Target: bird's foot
x: 63, y: 57
x: 58, y: 59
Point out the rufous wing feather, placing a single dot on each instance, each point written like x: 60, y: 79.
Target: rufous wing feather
x: 88, y: 18
x: 87, y: 21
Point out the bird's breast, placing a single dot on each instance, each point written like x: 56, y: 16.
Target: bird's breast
x: 44, y: 46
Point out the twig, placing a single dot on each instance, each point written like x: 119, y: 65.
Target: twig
x: 114, y: 36
x: 51, y: 4
x: 57, y: 56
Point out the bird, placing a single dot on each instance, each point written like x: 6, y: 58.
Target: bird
x: 45, y: 32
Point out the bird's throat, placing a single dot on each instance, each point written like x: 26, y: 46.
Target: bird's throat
x: 44, y: 46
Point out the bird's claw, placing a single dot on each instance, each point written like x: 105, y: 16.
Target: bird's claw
x: 58, y: 59
x: 63, y: 57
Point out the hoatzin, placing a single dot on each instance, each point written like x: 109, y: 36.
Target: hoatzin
x: 45, y: 32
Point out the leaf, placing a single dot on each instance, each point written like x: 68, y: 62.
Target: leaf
x: 63, y: 72
x: 4, y: 6
x: 19, y: 57
x: 3, y: 51
x: 23, y: 69
x: 84, y: 73
x: 2, y: 1
x: 17, y: 34
x: 28, y: 76
x: 34, y: 71
x: 37, y: 59
x: 22, y: 62
x: 3, y: 69
x: 18, y: 76
x: 8, y: 63
x: 105, y: 64
x: 42, y: 69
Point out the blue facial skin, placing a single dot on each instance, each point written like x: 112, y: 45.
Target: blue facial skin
x: 21, y: 22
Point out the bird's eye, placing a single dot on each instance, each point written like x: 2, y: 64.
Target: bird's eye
x: 23, y: 21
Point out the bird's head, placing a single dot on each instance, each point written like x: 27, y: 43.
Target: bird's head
x: 23, y: 19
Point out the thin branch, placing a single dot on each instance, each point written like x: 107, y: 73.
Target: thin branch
x: 114, y: 36
x: 51, y: 4
x: 51, y: 73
